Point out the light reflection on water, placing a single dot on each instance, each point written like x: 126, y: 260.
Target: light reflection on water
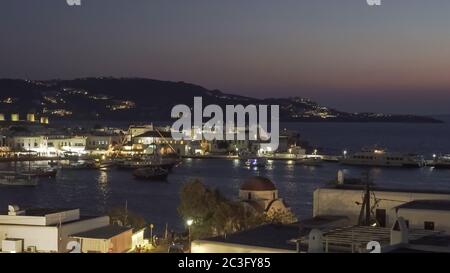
x: 96, y: 191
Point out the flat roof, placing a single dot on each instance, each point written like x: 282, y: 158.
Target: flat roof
x: 443, y: 205
x: 164, y: 134
x: 106, y: 232
x: 269, y: 236
x: 321, y: 220
x: 384, y: 189
x: 441, y: 240
x: 40, y: 211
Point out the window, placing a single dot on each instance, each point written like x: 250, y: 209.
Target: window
x: 428, y: 225
x: 249, y: 196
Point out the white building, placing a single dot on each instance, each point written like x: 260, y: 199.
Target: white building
x: 135, y: 130
x: 61, y: 145
x: 426, y: 214
x: 106, y: 239
x: 34, y: 144
x: 160, y: 142
x: 422, y: 209
x: 44, y: 230
x: 43, y: 145
x: 103, y: 142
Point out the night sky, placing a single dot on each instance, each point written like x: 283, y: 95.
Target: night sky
x: 342, y: 53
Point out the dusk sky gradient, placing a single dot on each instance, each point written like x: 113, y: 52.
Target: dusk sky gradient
x: 341, y: 53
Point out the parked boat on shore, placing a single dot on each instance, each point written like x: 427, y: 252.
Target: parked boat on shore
x: 381, y: 158
x: 151, y: 173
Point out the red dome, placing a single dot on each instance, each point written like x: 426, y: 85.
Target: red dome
x: 258, y: 183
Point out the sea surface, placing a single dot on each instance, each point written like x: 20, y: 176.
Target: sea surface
x: 97, y: 191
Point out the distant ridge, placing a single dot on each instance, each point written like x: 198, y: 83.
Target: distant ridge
x: 139, y: 99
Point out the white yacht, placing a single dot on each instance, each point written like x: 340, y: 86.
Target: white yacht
x: 382, y: 158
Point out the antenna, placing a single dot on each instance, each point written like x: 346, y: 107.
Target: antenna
x: 126, y: 213
x: 365, y: 213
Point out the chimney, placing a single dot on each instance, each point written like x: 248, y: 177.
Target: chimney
x: 340, y: 177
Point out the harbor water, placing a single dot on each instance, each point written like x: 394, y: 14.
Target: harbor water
x: 97, y: 191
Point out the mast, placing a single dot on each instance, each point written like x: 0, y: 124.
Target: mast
x: 364, y: 215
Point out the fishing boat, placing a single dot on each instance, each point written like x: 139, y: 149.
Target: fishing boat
x: 382, y: 158
x: 151, y: 173
x: 309, y: 161
x: 442, y: 162
x: 256, y: 162
x: 17, y: 179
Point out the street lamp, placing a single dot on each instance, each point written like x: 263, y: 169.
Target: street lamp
x: 151, y: 233
x: 345, y: 153
x: 189, y: 223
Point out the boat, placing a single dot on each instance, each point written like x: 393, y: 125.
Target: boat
x: 256, y: 162
x: 42, y: 172
x: 309, y: 161
x: 137, y: 163
x: 151, y: 173
x: 382, y: 158
x: 77, y: 165
x: 52, y: 163
x: 17, y: 179
x: 442, y: 162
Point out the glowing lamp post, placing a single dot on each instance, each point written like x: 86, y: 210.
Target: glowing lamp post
x: 189, y: 223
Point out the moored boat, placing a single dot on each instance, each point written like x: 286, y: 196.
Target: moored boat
x: 151, y: 173
x: 442, y: 162
x: 309, y: 161
x: 382, y: 158
x: 42, y: 172
x: 256, y: 162
x: 164, y: 163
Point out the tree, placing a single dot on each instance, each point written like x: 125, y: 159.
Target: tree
x: 280, y: 217
x: 127, y: 218
x: 212, y: 213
